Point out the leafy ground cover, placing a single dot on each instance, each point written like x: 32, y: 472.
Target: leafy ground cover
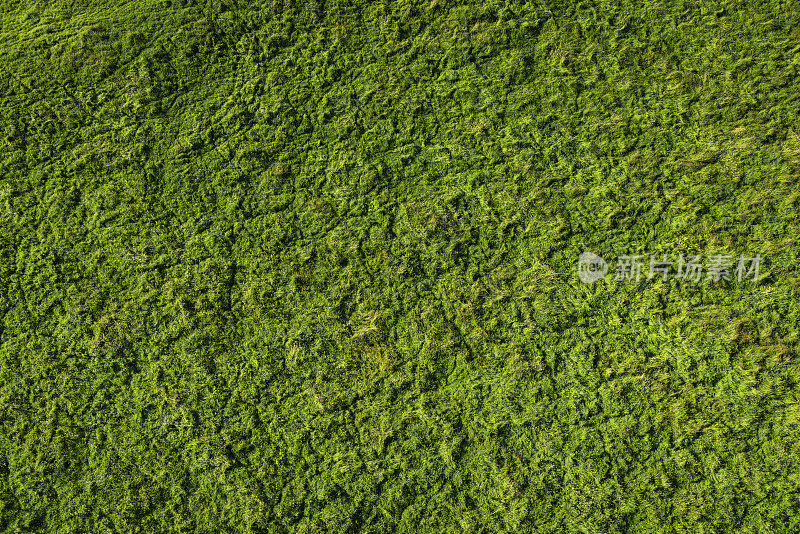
x: 311, y: 266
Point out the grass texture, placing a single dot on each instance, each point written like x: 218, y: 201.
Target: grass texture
x: 305, y: 267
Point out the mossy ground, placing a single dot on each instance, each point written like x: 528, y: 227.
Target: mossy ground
x: 311, y: 266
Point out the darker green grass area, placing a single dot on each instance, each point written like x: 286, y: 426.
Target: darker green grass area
x: 312, y: 266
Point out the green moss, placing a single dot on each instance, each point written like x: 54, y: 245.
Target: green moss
x: 311, y: 267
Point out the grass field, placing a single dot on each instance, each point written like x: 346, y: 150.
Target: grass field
x: 305, y: 267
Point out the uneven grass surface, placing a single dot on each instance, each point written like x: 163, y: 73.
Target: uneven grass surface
x: 312, y: 267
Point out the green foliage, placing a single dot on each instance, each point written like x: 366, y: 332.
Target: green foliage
x: 310, y: 266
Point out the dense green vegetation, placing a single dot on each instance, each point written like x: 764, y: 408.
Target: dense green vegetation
x: 311, y: 267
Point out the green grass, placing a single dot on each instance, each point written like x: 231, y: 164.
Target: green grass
x: 312, y: 267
